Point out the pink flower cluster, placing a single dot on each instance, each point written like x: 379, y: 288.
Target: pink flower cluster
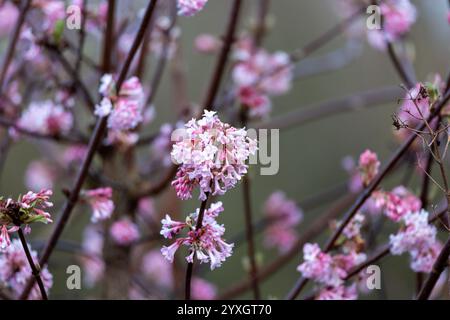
x: 8, y: 17
x: 101, y: 203
x: 258, y: 74
x: 399, y: 16
x: 15, y: 270
x: 206, y: 244
x: 124, y: 232
x: 282, y: 216
x: 92, y: 259
x: 190, y: 7
x: 417, y: 237
x: 327, y: 270
x: 125, y: 109
x: 46, y: 118
x: 368, y: 166
x: 397, y: 203
x: 211, y: 155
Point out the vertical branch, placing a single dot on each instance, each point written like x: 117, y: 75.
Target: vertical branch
x: 190, y: 265
x: 81, y: 39
x: 13, y: 42
x: 108, y: 43
x: 94, y: 142
x: 250, y: 238
x: 34, y: 270
x: 223, y: 57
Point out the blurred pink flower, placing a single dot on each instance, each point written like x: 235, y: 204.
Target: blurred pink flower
x: 282, y: 216
x: 368, y: 166
x: 8, y: 17
x: 207, y: 43
x: 40, y: 175
x: 124, y: 232
x: 190, y: 7
x: 15, y: 270
x: 203, y: 290
x: 101, y: 203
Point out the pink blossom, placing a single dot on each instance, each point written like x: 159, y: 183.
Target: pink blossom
x: 73, y: 155
x: 101, y: 203
x: 35, y: 204
x: 368, y: 166
x: 5, y: 240
x: 397, y: 203
x: 162, y: 145
x: 283, y: 216
x: 46, y: 118
x: 15, y: 270
x: 355, y: 184
x: 157, y: 269
x: 146, y: 208
x: 203, y: 290
x: 40, y: 175
x: 326, y: 269
x: 125, y: 109
x: 399, y: 16
x: 338, y: 293
x: 206, y: 244
x: 124, y: 232
x: 417, y: 237
x: 190, y: 7
x: 211, y: 155
x: 207, y: 43
x: 353, y: 229
x: 54, y: 11
x: 8, y: 17
x: 258, y: 75
x: 91, y: 260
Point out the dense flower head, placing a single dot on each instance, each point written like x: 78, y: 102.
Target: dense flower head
x: 397, y: 203
x: 100, y: 200
x: 211, y: 155
x: 368, y: 166
x: 190, y: 7
x: 417, y: 237
x: 124, y: 109
x: 326, y: 269
x: 206, y: 243
x: 398, y: 17
x: 15, y: 270
x: 124, y: 232
x: 45, y: 117
x: 258, y: 74
x: 282, y: 216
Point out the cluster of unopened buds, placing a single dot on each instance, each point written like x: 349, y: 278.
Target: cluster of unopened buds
x: 28, y: 209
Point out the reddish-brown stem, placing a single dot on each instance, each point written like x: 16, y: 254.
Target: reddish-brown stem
x: 34, y: 270
x: 250, y: 238
x: 223, y: 56
x: 108, y: 43
x: 13, y: 42
x: 190, y: 265
x: 94, y: 142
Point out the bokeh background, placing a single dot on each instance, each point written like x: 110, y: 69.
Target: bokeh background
x: 310, y: 154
